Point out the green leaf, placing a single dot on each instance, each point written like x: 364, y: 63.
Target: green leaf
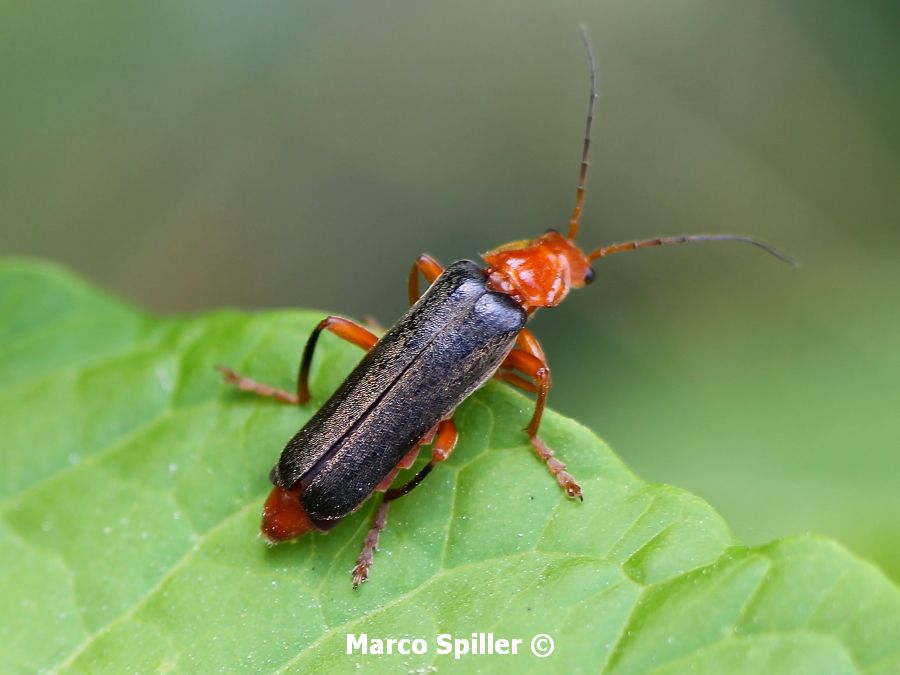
x: 131, y: 490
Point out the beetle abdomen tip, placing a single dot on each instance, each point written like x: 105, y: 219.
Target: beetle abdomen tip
x: 284, y: 517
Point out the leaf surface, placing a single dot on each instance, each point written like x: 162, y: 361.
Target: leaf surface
x: 132, y: 485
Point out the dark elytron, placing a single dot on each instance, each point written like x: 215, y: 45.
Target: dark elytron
x: 439, y: 352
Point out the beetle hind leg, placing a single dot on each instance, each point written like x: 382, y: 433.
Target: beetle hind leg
x: 370, y: 544
x: 404, y: 463
x: 445, y: 437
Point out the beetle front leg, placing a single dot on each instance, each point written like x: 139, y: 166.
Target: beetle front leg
x: 444, y: 442
x: 531, y: 364
x: 343, y: 328
x: 430, y: 268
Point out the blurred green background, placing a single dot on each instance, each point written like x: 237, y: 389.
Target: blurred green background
x: 194, y: 155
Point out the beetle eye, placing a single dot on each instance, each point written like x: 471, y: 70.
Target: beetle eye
x: 589, y: 276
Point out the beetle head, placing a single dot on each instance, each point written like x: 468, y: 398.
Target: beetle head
x: 538, y: 272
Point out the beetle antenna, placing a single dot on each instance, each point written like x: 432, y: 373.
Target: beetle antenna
x: 585, y: 150
x: 690, y: 239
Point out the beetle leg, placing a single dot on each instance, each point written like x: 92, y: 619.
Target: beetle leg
x: 537, y: 369
x: 526, y: 341
x: 343, y: 328
x: 556, y: 467
x: 246, y: 384
x: 408, y: 460
x: 444, y: 442
x: 534, y: 366
x: 515, y: 380
x: 429, y: 267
